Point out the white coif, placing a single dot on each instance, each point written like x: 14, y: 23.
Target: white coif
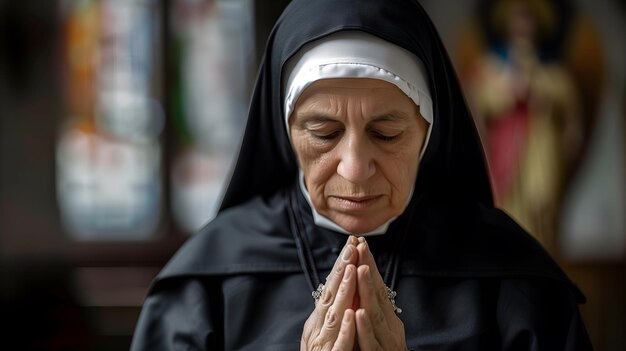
x: 356, y: 54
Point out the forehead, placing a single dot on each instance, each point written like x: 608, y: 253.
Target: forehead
x: 330, y: 84
x: 371, y: 93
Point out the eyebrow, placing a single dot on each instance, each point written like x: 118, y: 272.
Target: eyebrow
x: 391, y: 116
x: 313, y: 117
x: 317, y: 117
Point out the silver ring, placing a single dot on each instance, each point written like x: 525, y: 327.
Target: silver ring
x: 391, y: 295
x: 318, y: 293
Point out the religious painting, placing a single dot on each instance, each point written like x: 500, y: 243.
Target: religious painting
x: 533, y: 72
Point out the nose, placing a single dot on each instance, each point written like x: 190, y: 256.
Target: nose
x: 356, y: 162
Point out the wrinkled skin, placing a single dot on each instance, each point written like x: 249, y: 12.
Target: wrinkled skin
x: 354, y: 312
x: 358, y: 142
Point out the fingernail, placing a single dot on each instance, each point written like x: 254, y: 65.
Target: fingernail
x: 347, y: 254
x: 347, y: 317
x: 362, y: 243
x: 366, y: 319
x: 352, y: 240
x: 363, y: 315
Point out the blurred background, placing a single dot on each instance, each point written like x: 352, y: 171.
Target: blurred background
x: 120, y: 120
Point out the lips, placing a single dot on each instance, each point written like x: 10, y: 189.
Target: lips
x: 356, y: 202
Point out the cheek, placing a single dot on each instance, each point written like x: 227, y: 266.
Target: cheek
x: 402, y: 174
x: 316, y: 166
x: 317, y: 173
x: 303, y: 150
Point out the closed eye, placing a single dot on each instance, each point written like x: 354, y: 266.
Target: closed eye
x: 385, y: 137
x: 326, y: 136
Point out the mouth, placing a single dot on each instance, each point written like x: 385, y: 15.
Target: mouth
x: 356, y: 202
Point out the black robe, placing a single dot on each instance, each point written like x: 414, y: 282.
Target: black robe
x: 467, y: 276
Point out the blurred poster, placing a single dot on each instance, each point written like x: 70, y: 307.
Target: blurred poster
x: 212, y: 51
x: 108, y: 153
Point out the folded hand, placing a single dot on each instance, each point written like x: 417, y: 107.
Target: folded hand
x: 354, y: 311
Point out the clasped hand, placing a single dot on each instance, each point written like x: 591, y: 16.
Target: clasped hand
x: 354, y: 312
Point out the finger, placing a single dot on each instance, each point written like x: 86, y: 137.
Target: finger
x: 365, y: 333
x: 347, y: 256
x: 378, y: 285
x: 351, y: 242
x: 347, y: 333
x: 343, y: 301
x: 379, y: 320
x: 366, y: 258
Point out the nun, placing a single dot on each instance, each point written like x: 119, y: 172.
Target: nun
x: 360, y: 215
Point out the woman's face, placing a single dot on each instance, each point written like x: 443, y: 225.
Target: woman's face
x: 358, y: 143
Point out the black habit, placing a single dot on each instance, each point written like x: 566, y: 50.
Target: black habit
x: 467, y: 276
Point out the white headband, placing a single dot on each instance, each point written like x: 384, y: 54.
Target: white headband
x: 356, y: 54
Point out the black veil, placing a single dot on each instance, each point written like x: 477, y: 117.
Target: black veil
x: 453, y: 167
x: 450, y: 227
x: 241, y: 279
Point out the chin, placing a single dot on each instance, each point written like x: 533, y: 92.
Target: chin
x: 358, y: 226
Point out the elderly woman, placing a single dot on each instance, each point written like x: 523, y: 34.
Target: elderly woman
x: 361, y: 182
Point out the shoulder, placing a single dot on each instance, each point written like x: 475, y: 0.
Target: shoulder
x: 177, y: 316
x: 483, y: 241
x: 531, y: 297
x: 252, y: 237
x: 540, y: 314
x: 519, y: 252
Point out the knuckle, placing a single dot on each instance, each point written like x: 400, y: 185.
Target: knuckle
x: 320, y: 345
x: 343, y: 289
x: 338, y: 270
x: 327, y: 297
x: 331, y: 319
